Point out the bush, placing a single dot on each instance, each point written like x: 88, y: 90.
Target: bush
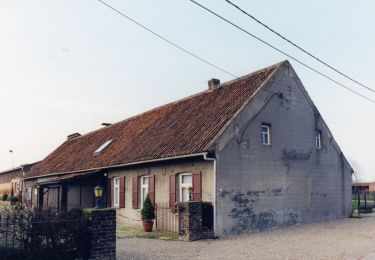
x: 5, y: 196
x: 148, y: 210
x: 35, y: 234
x: 12, y: 198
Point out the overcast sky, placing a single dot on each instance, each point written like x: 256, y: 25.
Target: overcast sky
x: 67, y: 66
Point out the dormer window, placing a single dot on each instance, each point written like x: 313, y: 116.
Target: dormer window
x: 102, y: 147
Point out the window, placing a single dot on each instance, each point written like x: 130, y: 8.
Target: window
x: 144, y: 188
x: 318, y: 139
x: 186, y: 182
x: 265, y: 134
x: 102, y: 147
x: 28, y: 193
x: 116, y: 191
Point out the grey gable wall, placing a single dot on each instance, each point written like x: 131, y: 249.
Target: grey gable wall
x: 290, y: 182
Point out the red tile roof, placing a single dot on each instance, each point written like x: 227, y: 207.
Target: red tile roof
x: 362, y: 184
x: 180, y: 128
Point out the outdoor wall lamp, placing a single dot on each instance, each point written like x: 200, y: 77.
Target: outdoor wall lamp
x: 98, y: 191
x: 190, y: 190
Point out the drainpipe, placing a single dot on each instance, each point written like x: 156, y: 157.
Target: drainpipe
x: 214, y: 192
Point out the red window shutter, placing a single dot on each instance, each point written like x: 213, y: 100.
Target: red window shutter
x: 151, y: 188
x: 122, y: 192
x: 172, y: 193
x: 109, y: 192
x: 197, y: 186
x: 135, y: 193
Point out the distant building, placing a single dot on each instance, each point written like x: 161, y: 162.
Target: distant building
x: 256, y: 147
x: 11, y: 180
x: 363, y: 187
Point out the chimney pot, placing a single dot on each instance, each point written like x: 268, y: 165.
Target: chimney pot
x: 72, y: 136
x: 213, y: 83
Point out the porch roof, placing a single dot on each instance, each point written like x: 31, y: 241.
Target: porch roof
x: 65, y: 178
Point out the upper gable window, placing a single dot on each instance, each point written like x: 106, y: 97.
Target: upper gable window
x: 265, y: 134
x: 102, y: 147
x: 318, y: 139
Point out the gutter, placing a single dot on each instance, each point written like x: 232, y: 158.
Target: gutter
x: 120, y: 165
x: 214, y: 193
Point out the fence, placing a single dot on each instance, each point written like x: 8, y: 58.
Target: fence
x: 43, y: 235
x: 165, y: 219
x: 364, y: 201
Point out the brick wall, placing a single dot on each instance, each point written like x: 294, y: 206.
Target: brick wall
x: 195, y: 220
x: 103, y: 234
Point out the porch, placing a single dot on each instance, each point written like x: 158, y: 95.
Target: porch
x: 70, y: 191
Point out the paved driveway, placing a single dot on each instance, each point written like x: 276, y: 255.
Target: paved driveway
x: 340, y: 239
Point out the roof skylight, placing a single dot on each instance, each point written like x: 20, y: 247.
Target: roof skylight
x: 102, y: 147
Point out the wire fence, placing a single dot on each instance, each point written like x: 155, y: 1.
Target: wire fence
x: 364, y: 201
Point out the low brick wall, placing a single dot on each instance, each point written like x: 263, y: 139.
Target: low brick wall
x: 195, y: 220
x: 103, y: 234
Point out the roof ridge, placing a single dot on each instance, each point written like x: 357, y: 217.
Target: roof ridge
x: 180, y: 100
x: 254, y: 72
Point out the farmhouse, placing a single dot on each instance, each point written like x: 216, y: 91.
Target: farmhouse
x: 255, y: 147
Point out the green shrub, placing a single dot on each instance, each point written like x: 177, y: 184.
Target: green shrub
x: 13, y: 198
x: 148, y: 210
x: 5, y: 197
x: 43, y: 234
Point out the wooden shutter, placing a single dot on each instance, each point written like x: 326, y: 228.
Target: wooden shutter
x: 109, y: 192
x: 122, y: 192
x: 135, y: 193
x: 151, y: 188
x: 197, y: 186
x: 172, y: 193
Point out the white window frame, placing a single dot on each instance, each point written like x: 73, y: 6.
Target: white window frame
x: 318, y: 140
x: 144, y: 187
x: 265, y: 136
x: 102, y: 147
x: 29, y: 191
x: 116, y: 192
x: 181, y: 185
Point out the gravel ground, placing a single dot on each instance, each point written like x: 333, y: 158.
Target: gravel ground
x: 339, y: 239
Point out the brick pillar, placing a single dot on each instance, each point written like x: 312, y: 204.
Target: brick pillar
x: 103, y: 234
x: 195, y: 220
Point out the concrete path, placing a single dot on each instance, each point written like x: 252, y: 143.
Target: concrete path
x: 340, y: 239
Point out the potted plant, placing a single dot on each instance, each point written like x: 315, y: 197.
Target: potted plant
x: 148, y: 215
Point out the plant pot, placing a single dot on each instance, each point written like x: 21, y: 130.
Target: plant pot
x: 148, y: 225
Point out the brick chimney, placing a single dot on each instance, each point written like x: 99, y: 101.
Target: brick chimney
x: 72, y: 136
x: 213, y: 83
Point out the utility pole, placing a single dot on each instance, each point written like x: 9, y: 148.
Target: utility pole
x: 11, y: 151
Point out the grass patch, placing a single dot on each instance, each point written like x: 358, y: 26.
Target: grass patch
x: 126, y: 230
x: 354, y: 204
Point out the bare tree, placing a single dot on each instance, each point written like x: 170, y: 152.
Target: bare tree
x: 358, y: 171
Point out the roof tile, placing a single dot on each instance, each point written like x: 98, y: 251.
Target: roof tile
x: 180, y: 128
